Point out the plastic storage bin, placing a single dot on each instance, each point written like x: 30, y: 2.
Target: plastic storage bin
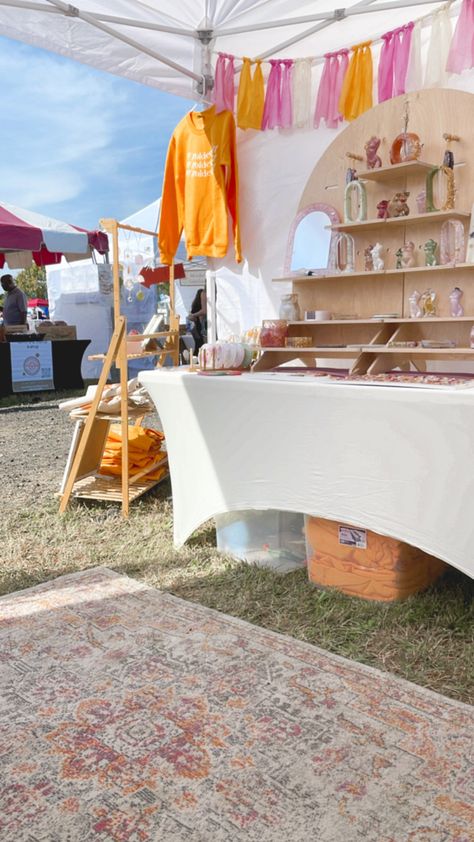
x: 362, y: 563
x: 268, y: 538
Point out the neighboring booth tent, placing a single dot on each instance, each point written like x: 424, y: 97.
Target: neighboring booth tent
x: 81, y: 293
x: 173, y: 48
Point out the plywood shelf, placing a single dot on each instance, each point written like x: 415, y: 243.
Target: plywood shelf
x: 395, y: 320
x: 396, y: 171
x: 109, y: 489
x: 400, y: 221
x: 443, y: 267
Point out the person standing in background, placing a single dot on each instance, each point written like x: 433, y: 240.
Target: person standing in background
x: 198, y: 316
x: 15, y: 305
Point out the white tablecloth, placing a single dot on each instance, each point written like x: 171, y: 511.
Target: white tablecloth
x: 398, y: 461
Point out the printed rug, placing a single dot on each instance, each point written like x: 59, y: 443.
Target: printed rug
x: 128, y: 715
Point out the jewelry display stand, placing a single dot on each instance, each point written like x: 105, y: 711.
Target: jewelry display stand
x: 82, y: 478
x: 370, y: 325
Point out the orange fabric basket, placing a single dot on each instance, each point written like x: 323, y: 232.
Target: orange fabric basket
x: 362, y: 563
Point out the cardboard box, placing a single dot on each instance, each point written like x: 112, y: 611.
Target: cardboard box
x: 56, y: 332
x: 362, y: 563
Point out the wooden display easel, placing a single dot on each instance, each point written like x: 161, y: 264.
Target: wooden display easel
x: 81, y: 477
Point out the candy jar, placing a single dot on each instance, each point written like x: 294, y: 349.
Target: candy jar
x: 273, y: 333
x: 290, y: 308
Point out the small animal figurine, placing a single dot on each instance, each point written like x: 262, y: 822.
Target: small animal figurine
x: 448, y: 159
x: 382, y: 209
x: 455, y: 305
x: 398, y: 255
x: 408, y: 255
x: 374, y: 161
x: 428, y: 303
x: 351, y: 175
x: 421, y: 202
x: 414, y: 302
x: 377, y: 258
x: 397, y: 205
x: 430, y: 248
x: 368, y: 261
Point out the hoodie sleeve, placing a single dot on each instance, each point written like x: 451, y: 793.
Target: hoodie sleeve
x: 233, y: 189
x: 171, y: 222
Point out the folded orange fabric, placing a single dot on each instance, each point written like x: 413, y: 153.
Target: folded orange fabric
x: 144, y: 450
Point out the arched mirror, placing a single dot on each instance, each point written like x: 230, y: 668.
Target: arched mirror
x: 309, y: 243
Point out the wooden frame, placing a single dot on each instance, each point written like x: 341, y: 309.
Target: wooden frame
x: 89, y: 439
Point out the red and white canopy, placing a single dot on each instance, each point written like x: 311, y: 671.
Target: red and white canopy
x: 27, y: 236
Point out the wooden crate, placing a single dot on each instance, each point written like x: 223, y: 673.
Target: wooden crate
x: 362, y: 563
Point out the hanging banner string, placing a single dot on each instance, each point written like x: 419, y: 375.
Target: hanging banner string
x: 345, y: 87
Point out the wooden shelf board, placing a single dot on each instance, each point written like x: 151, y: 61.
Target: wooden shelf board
x: 469, y: 352
x: 134, y: 356
x: 298, y: 279
x: 97, y: 487
x: 372, y: 321
x: 394, y: 171
x: 357, y: 348
x: 436, y: 216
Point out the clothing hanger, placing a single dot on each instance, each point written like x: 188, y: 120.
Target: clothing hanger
x: 202, y: 103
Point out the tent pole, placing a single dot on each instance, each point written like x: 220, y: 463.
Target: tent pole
x: 284, y: 44
x: 40, y: 7
x: 338, y: 14
x: 72, y: 11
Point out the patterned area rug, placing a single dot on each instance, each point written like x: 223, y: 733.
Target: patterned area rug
x: 128, y: 715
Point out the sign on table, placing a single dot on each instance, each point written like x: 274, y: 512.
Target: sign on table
x: 32, y: 366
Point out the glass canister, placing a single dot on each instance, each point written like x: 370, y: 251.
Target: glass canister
x: 273, y: 333
x: 290, y: 308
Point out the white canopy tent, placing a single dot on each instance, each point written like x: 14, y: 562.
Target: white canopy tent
x: 173, y: 47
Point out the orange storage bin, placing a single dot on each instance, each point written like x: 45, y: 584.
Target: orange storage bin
x: 362, y: 563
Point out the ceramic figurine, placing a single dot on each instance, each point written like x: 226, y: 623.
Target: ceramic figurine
x: 355, y: 187
x: 368, y: 262
x: 351, y: 175
x: 470, y: 242
x: 455, y: 306
x: 382, y: 210
x: 397, y: 205
x: 414, y: 302
x: 406, y: 147
x: 421, y: 202
x: 452, y: 244
x: 377, y: 258
x: 408, y: 255
x: 374, y: 161
x: 450, y: 189
x: 398, y: 255
x: 428, y: 303
x: 345, y: 253
x: 289, y: 307
x: 448, y: 160
x: 430, y: 248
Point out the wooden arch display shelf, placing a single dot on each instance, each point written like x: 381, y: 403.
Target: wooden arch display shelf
x: 367, y: 344
x: 82, y: 478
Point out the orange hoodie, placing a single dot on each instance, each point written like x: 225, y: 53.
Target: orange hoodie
x: 200, y: 187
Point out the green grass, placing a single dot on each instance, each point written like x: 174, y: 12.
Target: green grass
x: 427, y: 639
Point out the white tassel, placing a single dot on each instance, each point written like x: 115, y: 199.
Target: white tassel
x: 441, y: 34
x: 414, y: 78
x: 302, y: 93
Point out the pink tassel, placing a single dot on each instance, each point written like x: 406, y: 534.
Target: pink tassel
x: 385, y: 76
x: 327, y: 102
x: 461, y: 52
x: 272, y: 107
x: 401, y: 58
x: 286, y: 109
x: 393, y: 64
x: 223, y: 91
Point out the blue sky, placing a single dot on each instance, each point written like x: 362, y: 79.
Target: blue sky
x: 76, y: 143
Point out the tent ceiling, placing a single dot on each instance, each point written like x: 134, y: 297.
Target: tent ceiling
x: 157, y: 42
